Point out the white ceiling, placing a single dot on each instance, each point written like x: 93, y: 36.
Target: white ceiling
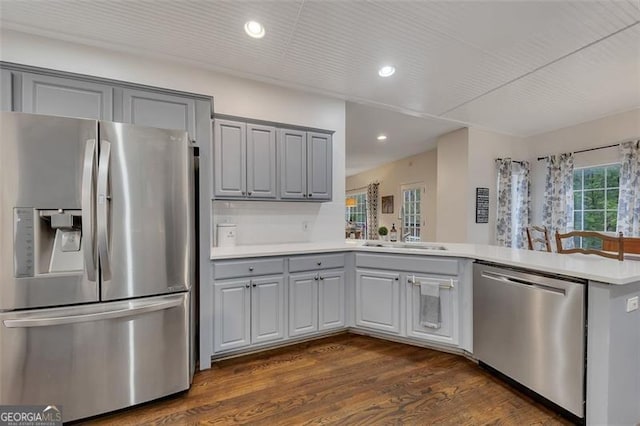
x: 521, y: 67
x: 406, y: 135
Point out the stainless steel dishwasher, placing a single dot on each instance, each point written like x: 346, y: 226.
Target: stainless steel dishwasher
x: 531, y: 328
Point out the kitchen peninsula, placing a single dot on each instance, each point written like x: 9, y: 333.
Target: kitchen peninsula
x: 378, y: 299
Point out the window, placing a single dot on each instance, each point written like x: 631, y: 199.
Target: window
x: 595, y: 201
x: 356, y: 215
x: 411, y: 213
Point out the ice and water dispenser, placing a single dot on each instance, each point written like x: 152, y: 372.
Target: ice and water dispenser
x: 47, y: 241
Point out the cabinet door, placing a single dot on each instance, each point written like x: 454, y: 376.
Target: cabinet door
x: 303, y: 304
x: 292, y: 146
x: 378, y: 300
x: 261, y: 161
x: 331, y: 300
x: 229, y: 158
x: 448, y: 331
x: 67, y: 97
x: 231, y: 314
x: 6, y: 91
x: 267, y: 309
x: 159, y: 110
x: 319, y: 171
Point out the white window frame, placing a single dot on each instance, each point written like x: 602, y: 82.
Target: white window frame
x: 361, y: 208
x: 412, y: 213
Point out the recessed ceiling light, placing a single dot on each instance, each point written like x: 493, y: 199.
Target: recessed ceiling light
x: 254, y: 29
x: 382, y: 137
x: 386, y: 71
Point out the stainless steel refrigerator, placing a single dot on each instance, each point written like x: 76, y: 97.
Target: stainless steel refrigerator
x: 96, y: 263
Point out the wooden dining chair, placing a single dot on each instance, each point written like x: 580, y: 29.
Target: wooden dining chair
x: 631, y: 245
x: 612, y: 247
x: 538, y: 235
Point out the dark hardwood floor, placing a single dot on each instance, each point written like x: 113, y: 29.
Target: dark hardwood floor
x: 345, y: 379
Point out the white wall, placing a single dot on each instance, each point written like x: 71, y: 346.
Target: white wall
x: 416, y: 168
x: 452, y: 187
x: 234, y: 96
x: 484, y: 148
x: 604, y: 131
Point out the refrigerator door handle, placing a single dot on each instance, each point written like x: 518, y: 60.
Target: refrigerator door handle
x: 88, y: 231
x: 98, y: 316
x: 103, y: 209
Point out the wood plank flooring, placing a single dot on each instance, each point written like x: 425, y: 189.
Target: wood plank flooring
x: 345, y: 379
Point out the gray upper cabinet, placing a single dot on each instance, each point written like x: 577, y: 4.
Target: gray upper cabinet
x: 6, y: 91
x: 160, y: 110
x: 43, y: 94
x: 244, y: 160
x: 229, y: 153
x: 261, y: 161
x: 319, y: 166
x: 293, y: 164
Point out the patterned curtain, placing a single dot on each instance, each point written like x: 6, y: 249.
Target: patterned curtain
x: 557, y: 211
x: 521, y: 204
x: 514, y: 202
x: 372, y: 210
x: 504, y: 213
x: 629, y: 199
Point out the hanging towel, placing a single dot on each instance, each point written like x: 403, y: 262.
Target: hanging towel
x: 430, y: 304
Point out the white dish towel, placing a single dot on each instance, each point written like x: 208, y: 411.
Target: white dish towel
x: 430, y: 304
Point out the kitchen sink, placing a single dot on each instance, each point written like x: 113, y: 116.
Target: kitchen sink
x: 413, y: 246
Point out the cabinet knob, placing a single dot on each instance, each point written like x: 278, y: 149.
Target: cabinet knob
x: 247, y: 286
x: 249, y: 193
x: 253, y: 285
x: 304, y: 195
x: 316, y: 278
x: 310, y: 195
x: 321, y: 278
x: 319, y: 263
x: 250, y: 268
x: 243, y: 193
x: 396, y: 278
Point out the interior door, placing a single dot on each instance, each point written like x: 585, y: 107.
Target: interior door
x: 145, y: 211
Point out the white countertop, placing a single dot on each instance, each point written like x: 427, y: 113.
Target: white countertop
x: 589, y: 267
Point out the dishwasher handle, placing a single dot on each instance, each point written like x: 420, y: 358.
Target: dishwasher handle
x: 509, y: 279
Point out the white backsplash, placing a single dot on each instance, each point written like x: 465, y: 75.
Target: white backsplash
x: 270, y: 222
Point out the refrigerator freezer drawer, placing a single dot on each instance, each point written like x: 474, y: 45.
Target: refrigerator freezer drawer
x: 92, y: 359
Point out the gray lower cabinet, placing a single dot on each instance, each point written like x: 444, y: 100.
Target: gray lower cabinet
x: 331, y: 300
x: 152, y: 109
x: 303, y: 303
x: 248, y: 311
x: 51, y: 95
x: 377, y: 304
x: 316, y: 301
x: 244, y: 160
x: 447, y: 332
x: 305, y: 165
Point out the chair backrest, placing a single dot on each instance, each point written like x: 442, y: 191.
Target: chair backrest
x: 631, y: 245
x: 538, y: 234
x: 607, y: 241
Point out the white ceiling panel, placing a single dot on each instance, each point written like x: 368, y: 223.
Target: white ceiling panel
x: 406, y: 136
x: 594, y: 82
x: 517, y: 67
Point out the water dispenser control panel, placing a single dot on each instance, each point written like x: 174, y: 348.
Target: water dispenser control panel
x: 23, y: 255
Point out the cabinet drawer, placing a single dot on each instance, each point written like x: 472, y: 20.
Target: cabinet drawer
x: 313, y: 262
x: 247, y: 268
x: 422, y: 264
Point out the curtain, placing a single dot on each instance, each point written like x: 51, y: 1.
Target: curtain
x: 372, y: 210
x: 557, y: 210
x: 504, y: 213
x: 629, y: 198
x: 514, y: 205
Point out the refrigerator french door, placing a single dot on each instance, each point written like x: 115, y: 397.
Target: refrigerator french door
x: 96, y: 263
